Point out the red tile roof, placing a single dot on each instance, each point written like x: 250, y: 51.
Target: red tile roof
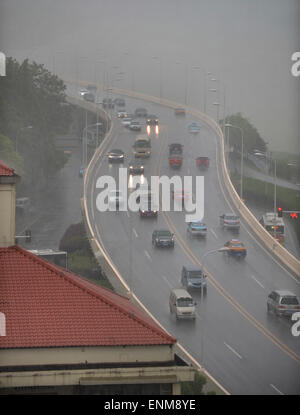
x: 47, y: 306
x: 5, y: 170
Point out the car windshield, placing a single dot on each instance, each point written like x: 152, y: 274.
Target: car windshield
x: 194, y: 274
x: 164, y: 233
x: 141, y: 143
x: 185, y: 302
x: 228, y: 217
x: 290, y: 301
x: 237, y: 245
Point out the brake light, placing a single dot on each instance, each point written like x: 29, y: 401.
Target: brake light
x: 282, y: 307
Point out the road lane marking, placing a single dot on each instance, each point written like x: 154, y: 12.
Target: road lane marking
x: 168, y: 282
x: 214, y: 233
x: 259, y: 283
x: 127, y: 213
x: 277, y: 390
x: 233, y: 351
x: 148, y: 255
x: 135, y: 232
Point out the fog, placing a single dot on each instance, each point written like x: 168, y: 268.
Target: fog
x: 246, y: 44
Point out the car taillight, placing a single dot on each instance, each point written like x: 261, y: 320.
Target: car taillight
x: 297, y: 307
x: 282, y: 307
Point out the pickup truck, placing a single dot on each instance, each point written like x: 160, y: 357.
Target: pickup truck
x: 202, y: 162
x: 142, y: 147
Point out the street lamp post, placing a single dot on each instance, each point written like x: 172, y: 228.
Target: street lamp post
x: 160, y: 75
x: 206, y: 74
x: 84, y: 139
x: 242, y: 156
x: 217, y: 104
x: 222, y: 249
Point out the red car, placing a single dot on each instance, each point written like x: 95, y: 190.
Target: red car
x: 175, y: 160
x: 202, y: 162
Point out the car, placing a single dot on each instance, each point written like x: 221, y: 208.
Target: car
x: 135, y: 126
x: 236, y: 248
x: 88, y: 96
x: 141, y: 112
x: 116, y: 155
x: 151, y: 120
x: 179, y: 111
x: 148, y: 206
x: 197, y: 228
x: 192, y: 277
x: 81, y: 171
x: 126, y: 121
x: 194, y: 128
x: 115, y: 198
x: 182, y: 304
x: 175, y: 148
x: 120, y: 102
x: 122, y: 114
x: 283, y: 303
x: 136, y: 167
x: 108, y: 103
x: 230, y: 221
x: 175, y: 160
x: 83, y: 91
x: 163, y: 238
x: 202, y: 162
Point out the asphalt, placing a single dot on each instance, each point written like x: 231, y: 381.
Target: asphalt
x: 245, y: 349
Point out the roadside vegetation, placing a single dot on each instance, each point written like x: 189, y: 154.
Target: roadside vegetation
x: 81, y: 259
x: 196, y: 387
x: 33, y: 110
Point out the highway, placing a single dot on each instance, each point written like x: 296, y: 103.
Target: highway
x: 245, y: 349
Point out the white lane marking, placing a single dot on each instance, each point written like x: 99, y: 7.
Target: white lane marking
x: 127, y: 213
x: 259, y: 283
x: 277, y: 390
x: 168, y: 282
x: 148, y: 255
x: 214, y: 233
x: 233, y: 351
x: 135, y: 232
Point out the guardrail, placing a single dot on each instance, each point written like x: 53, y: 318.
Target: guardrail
x: 289, y: 260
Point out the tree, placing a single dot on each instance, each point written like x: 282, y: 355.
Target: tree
x: 32, y: 96
x: 252, y: 139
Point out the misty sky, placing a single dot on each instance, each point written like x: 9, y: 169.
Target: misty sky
x: 247, y: 44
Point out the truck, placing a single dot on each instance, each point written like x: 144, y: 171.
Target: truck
x: 142, y: 147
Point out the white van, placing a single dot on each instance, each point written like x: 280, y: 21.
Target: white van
x: 182, y: 304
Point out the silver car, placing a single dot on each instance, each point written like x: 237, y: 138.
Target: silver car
x: 283, y: 303
x: 230, y: 221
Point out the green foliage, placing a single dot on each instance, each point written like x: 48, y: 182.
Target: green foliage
x: 81, y: 260
x: 252, y: 139
x: 9, y: 156
x: 33, y: 97
x: 194, y: 388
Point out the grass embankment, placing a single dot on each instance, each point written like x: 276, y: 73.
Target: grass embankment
x: 259, y: 192
x: 81, y: 260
